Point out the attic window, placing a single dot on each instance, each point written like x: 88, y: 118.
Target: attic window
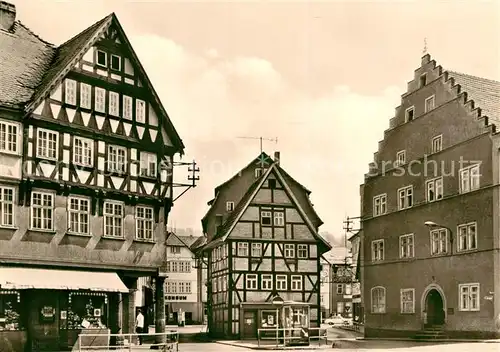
x: 258, y: 172
x: 409, y: 114
x: 272, y: 183
x: 423, y: 80
x: 115, y: 62
x: 229, y: 206
x: 265, y: 218
x: 102, y: 58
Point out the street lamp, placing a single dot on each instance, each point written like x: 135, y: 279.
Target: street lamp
x: 433, y: 225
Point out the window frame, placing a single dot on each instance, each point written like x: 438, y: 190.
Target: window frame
x: 279, y: 218
x: 340, y: 289
x: 375, y: 257
x: 114, y: 217
x: 469, y: 286
x: 70, y: 85
x: 105, y: 58
x: 145, y: 220
x: 281, y: 282
x: 400, y: 155
x: 51, y: 208
x: 128, y: 105
x: 424, y: 76
x: 405, y: 197
x: 5, y: 203
x: 78, y: 212
x: 437, y: 195
x: 257, y: 247
x: 140, y: 111
x: 266, y: 281
x: 99, y: 106
x: 471, y: 186
x: 434, y: 139
x: 382, y: 306
x: 467, y: 226
x: 229, y: 206
x: 17, y: 134
x: 402, y: 302
x: 287, y: 249
x: 85, y: 96
x: 304, y: 248
x: 146, y: 161
x: 253, y: 280
x: 242, y: 247
x: 258, y: 172
x: 262, y: 216
x: 56, y: 148
x: 438, y: 242
x: 110, y: 165
x: 403, y: 247
x: 296, y: 282
x: 114, y: 109
x: 91, y: 156
x: 433, y: 98
x: 119, y: 62
x: 382, y: 198
x: 412, y: 109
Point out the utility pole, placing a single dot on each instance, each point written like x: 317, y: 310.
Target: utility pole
x: 348, y: 228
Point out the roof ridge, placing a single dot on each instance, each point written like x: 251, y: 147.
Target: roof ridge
x: 472, y: 76
x: 34, y: 34
x: 85, y: 30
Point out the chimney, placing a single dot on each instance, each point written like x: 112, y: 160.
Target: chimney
x: 7, y: 15
x: 277, y: 157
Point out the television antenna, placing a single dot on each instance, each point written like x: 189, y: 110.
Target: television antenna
x: 261, y: 139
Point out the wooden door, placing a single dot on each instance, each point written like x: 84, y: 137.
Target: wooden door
x: 44, y: 321
x: 250, y: 324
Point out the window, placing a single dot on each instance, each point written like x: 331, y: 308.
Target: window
x: 377, y: 250
x: 114, y: 107
x: 181, y: 287
x: 140, y: 111
x: 289, y: 250
x: 8, y: 137
x: 187, y: 287
x: 265, y: 218
x: 296, y: 282
x: 469, y: 297
x: 467, y: 237
x: 251, y: 281
x: 171, y: 287
x: 302, y: 251
x: 82, y: 151
x: 439, y: 241
x: 42, y: 211
x: 279, y: 218
x: 78, y: 215
x: 113, y: 219
x: 469, y: 178
x: 379, y: 204
x: 405, y: 197
x: 281, y: 282
x: 409, y: 114
x: 175, y: 250
x: 47, y: 144
x: 115, y: 62
x: 437, y: 143
x: 434, y: 189
x: 256, y: 250
x: 407, y: 301
x: 406, y: 247
x: 340, y: 289
x: 378, y: 300
x: 116, y: 158
x: 423, y: 80
x: 70, y: 92
x: 272, y: 183
x: 340, y: 307
x: 348, y: 289
x: 267, y: 282
x: 85, y: 96
x: 144, y: 223
x: 258, y: 172
x: 127, y: 107
x: 148, y: 164
x: 100, y: 100
x: 6, y: 206
x: 229, y: 206
x: 243, y: 249
x: 429, y: 103
x: 400, y: 158
x: 102, y: 58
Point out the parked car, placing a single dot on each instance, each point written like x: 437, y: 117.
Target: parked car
x: 338, y: 320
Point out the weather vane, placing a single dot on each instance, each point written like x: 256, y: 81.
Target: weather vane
x: 425, y: 46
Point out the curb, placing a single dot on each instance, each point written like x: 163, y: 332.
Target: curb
x: 424, y: 340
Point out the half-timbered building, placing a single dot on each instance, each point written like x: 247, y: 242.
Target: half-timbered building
x: 85, y: 183
x: 262, y: 243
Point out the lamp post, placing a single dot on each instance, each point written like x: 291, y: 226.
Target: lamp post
x: 433, y: 225
x: 278, y: 302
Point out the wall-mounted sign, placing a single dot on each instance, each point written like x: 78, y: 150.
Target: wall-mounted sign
x: 47, y: 314
x: 488, y: 298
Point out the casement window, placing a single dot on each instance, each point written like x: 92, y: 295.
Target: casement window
x: 379, y: 204
x: 82, y: 151
x: 281, y: 283
x: 469, y: 178
x: 258, y: 172
x: 437, y: 144
x: 42, y: 211
x: 340, y: 289
x: 266, y: 282
x: 175, y: 249
x: 279, y: 218
x: 70, y: 92
x: 113, y: 219
x: 265, y: 218
x: 114, y: 105
x: 7, y: 206
x: 296, y: 282
x: 423, y: 80
x: 140, y: 111
x: 289, y: 250
x: 187, y: 287
x: 469, y: 297
x: 127, y: 107
x: 256, y: 250
x: 400, y: 158
x: 116, y: 158
x: 148, y: 164
x: 85, y: 96
x: 340, y: 307
x: 407, y: 298
x: 251, y: 281
x: 171, y: 287
x: 115, y: 63
x: 434, y: 189
x: 144, y: 223
x: 229, y: 206
x: 102, y: 58
x: 467, y: 237
x: 439, y: 241
x: 405, y: 197
x: 242, y: 249
x: 47, y: 144
x: 9, y: 141
x: 377, y: 250
x: 429, y: 103
x: 378, y: 300
x: 302, y: 251
x: 348, y: 289
x: 175, y: 266
x: 180, y: 285
x: 100, y: 100
x: 78, y: 215
x: 406, y: 246
x: 409, y: 114
x: 187, y: 267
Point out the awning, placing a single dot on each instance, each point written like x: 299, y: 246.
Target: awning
x: 30, y: 278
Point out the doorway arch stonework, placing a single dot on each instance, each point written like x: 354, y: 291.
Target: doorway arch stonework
x: 423, y: 303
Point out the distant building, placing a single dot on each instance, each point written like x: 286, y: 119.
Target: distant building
x: 325, y: 289
x: 357, y: 286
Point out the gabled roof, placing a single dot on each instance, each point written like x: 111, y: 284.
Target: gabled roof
x: 181, y: 241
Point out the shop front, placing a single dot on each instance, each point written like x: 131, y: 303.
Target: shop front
x: 46, y: 310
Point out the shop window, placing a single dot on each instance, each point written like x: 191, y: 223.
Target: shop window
x: 268, y: 319
x: 10, y: 311
x: 87, y: 310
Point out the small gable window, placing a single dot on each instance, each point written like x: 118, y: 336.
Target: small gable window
x: 258, y: 172
x: 127, y: 107
x: 265, y: 218
x: 85, y: 96
x: 70, y: 90
x: 116, y: 62
x: 429, y: 103
x: 229, y: 206
x: 140, y: 111
x: 279, y: 218
x: 114, y: 108
x: 100, y: 100
x: 102, y: 58
x: 410, y: 114
x: 423, y: 80
x: 272, y: 183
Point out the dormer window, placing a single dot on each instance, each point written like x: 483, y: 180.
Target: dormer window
x: 115, y: 62
x: 229, y: 206
x: 423, y: 80
x: 102, y: 58
x: 409, y: 114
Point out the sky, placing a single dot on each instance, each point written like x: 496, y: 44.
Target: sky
x: 324, y: 77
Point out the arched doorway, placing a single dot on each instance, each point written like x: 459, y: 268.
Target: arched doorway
x: 434, y: 307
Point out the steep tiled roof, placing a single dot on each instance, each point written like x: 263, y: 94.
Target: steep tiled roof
x: 24, y: 59
x: 188, y: 240
x: 484, y: 92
